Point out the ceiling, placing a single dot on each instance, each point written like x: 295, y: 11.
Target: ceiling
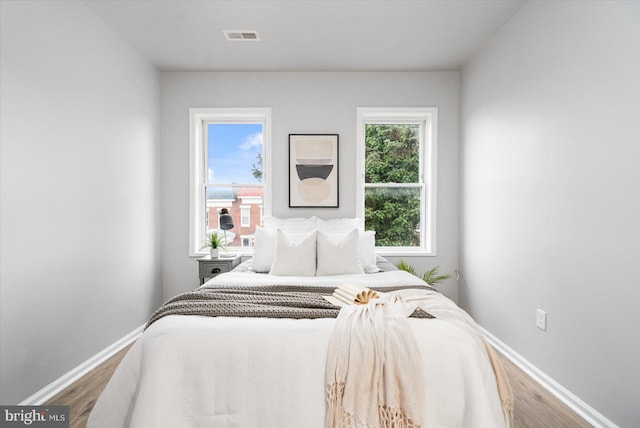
x: 307, y: 35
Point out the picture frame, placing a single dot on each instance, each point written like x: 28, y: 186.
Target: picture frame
x: 313, y: 171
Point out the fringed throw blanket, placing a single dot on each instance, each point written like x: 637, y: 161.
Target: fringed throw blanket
x: 442, y: 308
x: 373, y: 372
x: 374, y: 375
x: 261, y: 301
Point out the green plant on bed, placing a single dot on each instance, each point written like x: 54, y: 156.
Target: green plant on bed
x: 431, y: 277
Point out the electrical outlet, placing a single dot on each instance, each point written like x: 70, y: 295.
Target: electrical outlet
x: 541, y: 319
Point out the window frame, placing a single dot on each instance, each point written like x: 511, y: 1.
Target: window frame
x: 198, y: 120
x: 245, y: 209
x: 428, y: 118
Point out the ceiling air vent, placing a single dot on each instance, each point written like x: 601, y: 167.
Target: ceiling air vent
x: 241, y: 36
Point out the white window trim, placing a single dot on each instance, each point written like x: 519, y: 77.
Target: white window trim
x: 248, y: 209
x: 428, y: 115
x: 197, y: 118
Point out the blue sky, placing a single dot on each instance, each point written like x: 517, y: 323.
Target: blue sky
x: 232, y: 149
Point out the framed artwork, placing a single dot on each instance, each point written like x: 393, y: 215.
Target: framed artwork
x: 313, y: 171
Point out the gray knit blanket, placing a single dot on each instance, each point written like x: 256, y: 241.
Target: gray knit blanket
x: 274, y: 301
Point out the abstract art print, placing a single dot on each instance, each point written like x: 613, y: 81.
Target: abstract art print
x: 313, y: 170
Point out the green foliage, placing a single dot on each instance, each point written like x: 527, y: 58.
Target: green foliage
x: 214, y: 241
x: 392, y: 156
x: 392, y: 153
x: 408, y: 268
x: 395, y: 216
x: 431, y: 277
x: 256, y: 168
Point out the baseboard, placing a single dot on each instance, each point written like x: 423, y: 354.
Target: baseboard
x: 587, y: 412
x: 67, y: 379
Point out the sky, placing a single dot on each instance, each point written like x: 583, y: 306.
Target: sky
x: 231, y: 151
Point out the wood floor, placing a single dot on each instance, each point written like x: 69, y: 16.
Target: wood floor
x: 82, y: 394
x: 535, y: 407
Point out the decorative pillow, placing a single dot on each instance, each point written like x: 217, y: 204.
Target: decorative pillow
x: 340, y: 225
x: 295, y: 255
x: 367, y: 251
x: 290, y: 224
x: 338, y: 254
x: 264, y: 249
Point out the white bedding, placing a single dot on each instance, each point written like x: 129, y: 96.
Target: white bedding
x: 193, y: 371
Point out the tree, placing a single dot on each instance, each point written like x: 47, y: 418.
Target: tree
x: 392, y: 153
x: 256, y: 170
x: 392, y: 156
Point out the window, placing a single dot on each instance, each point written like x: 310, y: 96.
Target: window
x: 229, y: 168
x: 245, y: 216
x: 396, y: 165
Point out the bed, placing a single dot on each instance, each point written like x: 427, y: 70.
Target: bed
x: 248, y: 369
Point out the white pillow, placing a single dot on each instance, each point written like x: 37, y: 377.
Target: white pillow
x: 264, y: 249
x: 367, y: 251
x: 290, y: 224
x: 338, y: 254
x: 295, y: 256
x: 340, y: 225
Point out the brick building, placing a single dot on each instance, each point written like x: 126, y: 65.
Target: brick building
x: 245, y: 206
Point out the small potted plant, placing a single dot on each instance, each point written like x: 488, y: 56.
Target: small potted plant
x: 214, y: 243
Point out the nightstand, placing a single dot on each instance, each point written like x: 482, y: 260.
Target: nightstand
x: 210, y: 268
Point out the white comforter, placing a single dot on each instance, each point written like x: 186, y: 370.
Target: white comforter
x: 192, y: 371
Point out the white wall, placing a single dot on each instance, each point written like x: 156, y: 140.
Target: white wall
x: 79, y: 255
x: 303, y: 103
x: 550, y: 177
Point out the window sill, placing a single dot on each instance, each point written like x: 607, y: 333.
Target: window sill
x: 243, y: 252
x: 403, y: 252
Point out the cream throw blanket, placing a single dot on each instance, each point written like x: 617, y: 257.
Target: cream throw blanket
x: 373, y: 372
